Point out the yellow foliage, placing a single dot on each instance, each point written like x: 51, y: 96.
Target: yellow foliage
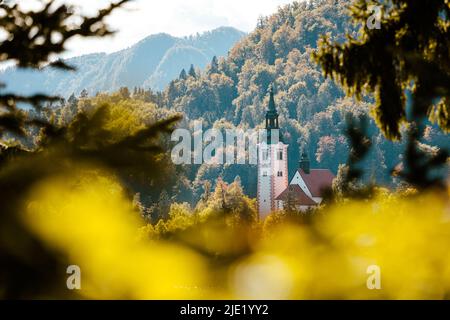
x: 86, y: 216
x: 407, y: 238
x: 123, y: 117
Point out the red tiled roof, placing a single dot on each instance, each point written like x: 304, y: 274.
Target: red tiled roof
x: 317, y: 180
x: 301, y: 198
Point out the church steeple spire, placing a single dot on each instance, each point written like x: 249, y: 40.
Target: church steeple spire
x: 272, y: 100
x: 272, y: 119
x: 273, y: 164
x: 271, y: 114
x: 304, y: 161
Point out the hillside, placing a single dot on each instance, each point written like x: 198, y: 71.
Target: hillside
x: 231, y: 92
x: 312, y: 109
x: 152, y: 62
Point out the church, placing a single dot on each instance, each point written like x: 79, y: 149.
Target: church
x: 306, y: 187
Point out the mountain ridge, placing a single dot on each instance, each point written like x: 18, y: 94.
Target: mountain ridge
x: 152, y: 62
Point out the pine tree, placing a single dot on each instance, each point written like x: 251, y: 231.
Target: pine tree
x: 183, y: 75
x: 349, y: 179
x: 421, y: 169
x: 192, y: 72
x: 73, y: 102
x: 214, y: 67
x: 171, y: 92
x: 84, y: 93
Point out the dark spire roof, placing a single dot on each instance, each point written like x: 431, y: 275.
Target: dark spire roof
x: 271, y: 114
x: 305, y: 154
x: 304, y: 161
x: 272, y: 118
x: 272, y: 108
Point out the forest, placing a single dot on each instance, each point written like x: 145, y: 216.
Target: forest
x: 89, y: 181
x: 232, y: 92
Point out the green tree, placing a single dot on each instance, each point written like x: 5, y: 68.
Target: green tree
x: 84, y: 93
x: 192, y: 72
x: 310, y: 105
x: 214, y: 66
x: 422, y: 166
x: 171, y: 92
x: 404, y: 62
x: 349, y: 178
x: 73, y: 101
x: 183, y: 75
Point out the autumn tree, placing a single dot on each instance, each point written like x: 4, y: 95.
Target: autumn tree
x: 125, y: 92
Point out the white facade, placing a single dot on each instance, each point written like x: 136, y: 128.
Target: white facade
x: 272, y: 176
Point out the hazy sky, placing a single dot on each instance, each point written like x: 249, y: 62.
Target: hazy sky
x: 176, y: 17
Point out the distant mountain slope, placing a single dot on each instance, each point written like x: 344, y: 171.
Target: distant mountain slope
x: 152, y: 62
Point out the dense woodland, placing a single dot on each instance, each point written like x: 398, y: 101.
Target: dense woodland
x: 232, y: 92
x: 78, y: 175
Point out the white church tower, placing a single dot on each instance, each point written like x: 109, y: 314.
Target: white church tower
x: 272, y: 164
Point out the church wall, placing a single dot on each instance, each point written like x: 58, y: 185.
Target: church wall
x: 280, y: 182
x: 265, y: 186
